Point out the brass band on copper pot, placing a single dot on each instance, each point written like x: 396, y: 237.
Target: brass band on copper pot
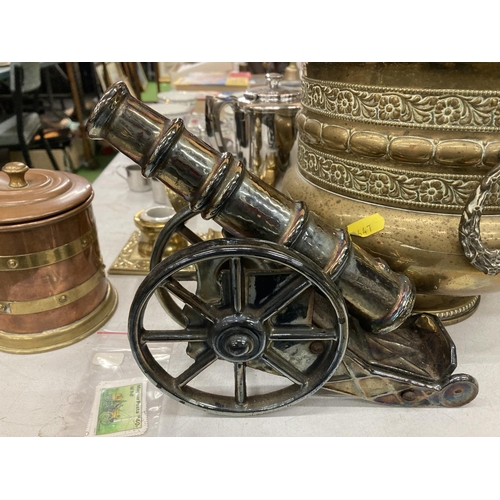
x: 48, y: 257
x: 67, y: 334
x: 53, y: 302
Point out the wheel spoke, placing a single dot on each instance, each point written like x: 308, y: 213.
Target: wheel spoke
x: 291, y: 288
x: 302, y: 334
x: 189, y: 335
x: 237, y: 284
x: 281, y: 365
x: 206, y: 310
x: 240, y: 383
x: 202, y: 362
x: 191, y: 236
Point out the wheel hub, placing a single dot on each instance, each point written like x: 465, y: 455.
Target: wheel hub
x: 238, y: 340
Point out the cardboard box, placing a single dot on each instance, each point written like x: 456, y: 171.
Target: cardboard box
x: 68, y: 160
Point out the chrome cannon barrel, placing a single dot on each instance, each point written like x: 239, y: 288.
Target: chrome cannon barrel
x: 219, y: 187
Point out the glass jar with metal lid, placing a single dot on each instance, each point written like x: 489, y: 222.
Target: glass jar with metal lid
x: 53, y: 289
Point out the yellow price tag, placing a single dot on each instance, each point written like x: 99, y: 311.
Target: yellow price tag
x: 367, y: 226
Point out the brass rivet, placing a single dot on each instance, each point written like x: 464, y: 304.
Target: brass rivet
x: 84, y: 241
x: 63, y: 299
x: 12, y: 263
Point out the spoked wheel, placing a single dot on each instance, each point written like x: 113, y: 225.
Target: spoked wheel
x: 174, y: 229
x: 283, y: 319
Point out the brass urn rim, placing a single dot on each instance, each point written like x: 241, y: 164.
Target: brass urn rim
x: 449, y: 309
x: 418, y: 108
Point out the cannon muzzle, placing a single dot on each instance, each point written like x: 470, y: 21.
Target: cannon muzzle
x: 218, y: 186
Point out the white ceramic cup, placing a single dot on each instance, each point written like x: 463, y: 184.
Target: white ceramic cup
x: 157, y: 214
x: 159, y: 192
x: 133, y: 175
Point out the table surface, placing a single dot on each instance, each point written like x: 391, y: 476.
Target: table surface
x: 39, y: 391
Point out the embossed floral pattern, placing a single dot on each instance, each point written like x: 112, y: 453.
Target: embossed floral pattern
x: 312, y: 163
x: 338, y: 175
x: 369, y: 181
x: 345, y: 101
x: 379, y: 184
x: 432, y: 191
x: 317, y: 96
x: 421, y: 108
x: 448, y: 111
x: 390, y: 108
x: 497, y: 116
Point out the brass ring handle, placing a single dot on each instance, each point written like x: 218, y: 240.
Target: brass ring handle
x: 469, y: 233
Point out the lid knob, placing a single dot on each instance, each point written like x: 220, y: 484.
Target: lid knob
x: 273, y: 79
x: 16, y: 172
x: 292, y: 72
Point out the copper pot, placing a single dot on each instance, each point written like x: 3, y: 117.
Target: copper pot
x: 53, y: 289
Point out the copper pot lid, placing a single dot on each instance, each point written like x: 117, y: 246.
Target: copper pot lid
x: 28, y: 195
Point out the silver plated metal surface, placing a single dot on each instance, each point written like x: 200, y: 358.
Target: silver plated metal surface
x: 264, y: 126
x: 221, y: 188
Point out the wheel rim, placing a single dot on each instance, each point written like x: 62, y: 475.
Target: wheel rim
x: 247, y: 333
x: 176, y: 225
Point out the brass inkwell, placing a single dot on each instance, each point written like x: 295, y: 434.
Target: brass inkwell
x: 135, y: 257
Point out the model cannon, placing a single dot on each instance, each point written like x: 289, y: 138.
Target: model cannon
x: 282, y: 292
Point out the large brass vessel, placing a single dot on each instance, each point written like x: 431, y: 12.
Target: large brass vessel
x: 411, y: 142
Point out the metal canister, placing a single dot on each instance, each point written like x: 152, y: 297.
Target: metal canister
x: 264, y: 126
x: 53, y: 288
